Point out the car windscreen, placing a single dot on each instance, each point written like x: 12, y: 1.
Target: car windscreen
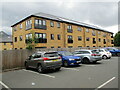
x: 51, y: 54
x: 66, y: 54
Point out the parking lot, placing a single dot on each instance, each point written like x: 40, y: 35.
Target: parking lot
x: 103, y: 74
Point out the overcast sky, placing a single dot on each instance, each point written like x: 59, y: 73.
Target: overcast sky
x: 102, y: 14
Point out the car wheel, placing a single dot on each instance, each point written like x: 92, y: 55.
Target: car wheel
x: 26, y: 66
x: 57, y: 69
x: 65, y: 63
x: 86, y: 60
x: 94, y: 61
x: 104, y: 57
x: 40, y: 68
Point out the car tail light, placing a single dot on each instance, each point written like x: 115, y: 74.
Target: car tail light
x: 44, y: 58
x: 93, y: 54
x: 59, y: 57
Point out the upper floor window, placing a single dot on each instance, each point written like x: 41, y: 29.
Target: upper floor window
x: 15, y: 39
x: 104, y: 41
x: 20, y: 26
x: 87, y: 30
x: 14, y: 28
x: 58, y: 36
x: 70, y: 39
x: 99, y: 32
x: 51, y: 23
x: 40, y: 24
x: 40, y: 38
x: 79, y: 29
x: 21, y: 38
x: 11, y: 43
x: 87, y: 39
x: 69, y: 29
x: 28, y: 24
x: 52, y: 36
x: 104, y: 35
x: 4, y: 43
x: 94, y: 40
x: 99, y: 40
x: 93, y: 32
x: 79, y: 38
x: 58, y: 24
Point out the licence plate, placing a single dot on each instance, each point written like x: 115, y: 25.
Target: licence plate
x: 55, y: 60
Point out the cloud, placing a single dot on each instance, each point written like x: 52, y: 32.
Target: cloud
x: 103, y: 14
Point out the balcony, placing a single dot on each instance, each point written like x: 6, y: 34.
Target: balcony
x: 37, y: 26
x: 40, y: 40
x: 94, y: 42
x: 69, y: 30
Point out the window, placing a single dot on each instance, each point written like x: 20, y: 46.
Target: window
x: 15, y: 48
x: 51, y: 23
x: 14, y: 28
x: 104, y: 35
x: 11, y: 43
x: 40, y: 24
x: 112, y: 42
x: 28, y: 24
x: 111, y: 35
x: 58, y: 24
x: 69, y: 29
x: 59, y: 47
x: 20, y: 48
x: 87, y: 30
x: 52, y: 36
x: 70, y: 39
x: 79, y: 46
x: 28, y: 38
x: 79, y: 38
x: 5, y: 49
x: 4, y: 43
x: 87, y: 39
x: 40, y: 38
x: 99, y: 32
x: 58, y: 36
x: 52, y: 47
x: 70, y: 46
x: 94, y: 40
x: 93, y: 32
x: 104, y: 41
x: 20, y: 38
x: 79, y: 29
x: 99, y: 40
x: 15, y: 39
x: 20, y: 26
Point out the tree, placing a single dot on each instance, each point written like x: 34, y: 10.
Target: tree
x: 31, y: 42
x: 117, y: 39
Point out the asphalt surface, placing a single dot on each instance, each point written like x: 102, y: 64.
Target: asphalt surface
x: 103, y: 74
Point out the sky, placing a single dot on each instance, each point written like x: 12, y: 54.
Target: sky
x: 102, y: 13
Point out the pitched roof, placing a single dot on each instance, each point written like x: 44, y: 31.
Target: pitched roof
x: 62, y: 19
x: 4, y: 37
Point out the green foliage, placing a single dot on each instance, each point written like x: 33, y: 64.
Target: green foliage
x: 117, y: 39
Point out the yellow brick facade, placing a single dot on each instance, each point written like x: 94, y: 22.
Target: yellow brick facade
x: 6, y: 46
x: 62, y: 31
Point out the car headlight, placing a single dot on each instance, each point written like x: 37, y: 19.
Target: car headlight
x: 71, y: 59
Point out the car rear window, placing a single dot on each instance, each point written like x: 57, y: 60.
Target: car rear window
x: 95, y: 52
x: 51, y: 54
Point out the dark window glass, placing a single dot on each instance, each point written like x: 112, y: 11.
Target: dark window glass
x: 70, y: 39
x: 15, y: 39
x: 4, y: 43
x: 58, y: 36
x: 40, y: 38
x: 40, y: 24
x: 69, y: 29
x: 87, y: 39
x: 79, y: 38
x: 20, y: 38
x: 51, y: 23
x: 52, y: 36
x: 58, y: 24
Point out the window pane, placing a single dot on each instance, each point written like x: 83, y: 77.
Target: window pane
x: 44, y: 22
x: 44, y: 35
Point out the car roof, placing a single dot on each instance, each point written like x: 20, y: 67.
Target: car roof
x: 83, y: 50
x: 45, y: 51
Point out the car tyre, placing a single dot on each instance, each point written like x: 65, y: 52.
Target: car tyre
x: 65, y: 63
x: 40, y: 68
x: 57, y: 69
x: 86, y: 61
x: 26, y: 66
x: 104, y: 57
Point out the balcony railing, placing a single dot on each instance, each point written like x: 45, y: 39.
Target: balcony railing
x: 70, y: 41
x: 37, y: 26
x: 69, y: 30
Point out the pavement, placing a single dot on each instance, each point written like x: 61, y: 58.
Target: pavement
x: 103, y: 74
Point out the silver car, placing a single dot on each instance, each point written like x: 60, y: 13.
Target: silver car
x: 44, y: 60
x: 88, y: 56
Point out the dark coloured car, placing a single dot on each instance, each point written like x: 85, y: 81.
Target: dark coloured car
x: 69, y: 59
x: 43, y: 61
x: 113, y: 50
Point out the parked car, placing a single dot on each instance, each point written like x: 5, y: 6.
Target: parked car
x: 88, y: 56
x: 69, y: 59
x: 43, y: 61
x: 113, y: 50
x: 104, y: 53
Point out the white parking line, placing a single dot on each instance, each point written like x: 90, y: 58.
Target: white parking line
x: 91, y: 65
x: 71, y: 69
x: 105, y: 83
x: 4, y: 85
x: 39, y: 73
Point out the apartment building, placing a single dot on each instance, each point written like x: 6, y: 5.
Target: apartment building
x: 52, y: 31
x: 5, y: 41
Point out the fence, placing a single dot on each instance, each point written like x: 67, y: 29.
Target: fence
x: 14, y: 59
